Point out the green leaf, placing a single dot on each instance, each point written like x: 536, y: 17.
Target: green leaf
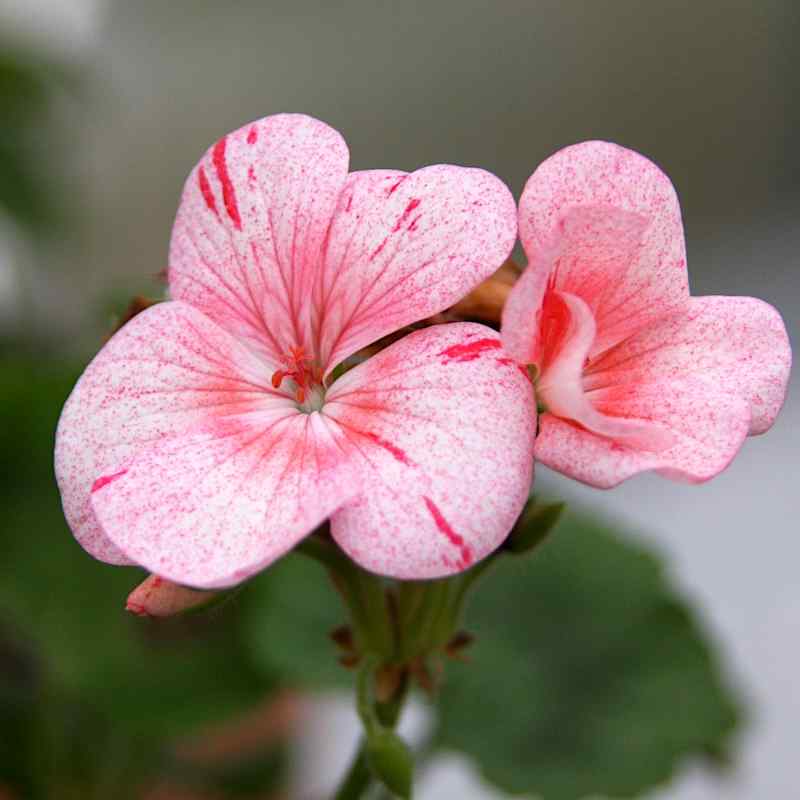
x: 599, y: 682
x: 155, y: 678
x: 91, y: 698
x: 289, y: 612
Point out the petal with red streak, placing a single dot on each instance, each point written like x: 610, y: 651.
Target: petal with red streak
x: 168, y: 369
x: 739, y: 345
x: 215, y: 505
x: 522, y: 312
x: 568, y: 338
x: 610, y: 223
x: 405, y: 246
x: 707, y: 427
x: 444, y: 421
x: 249, y: 233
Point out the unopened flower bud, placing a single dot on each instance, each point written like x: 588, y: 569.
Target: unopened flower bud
x: 157, y: 597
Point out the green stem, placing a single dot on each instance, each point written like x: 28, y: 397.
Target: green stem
x: 373, y: 612
x: 462, y: 585
x: 358, y: 779
x: 363, y: 593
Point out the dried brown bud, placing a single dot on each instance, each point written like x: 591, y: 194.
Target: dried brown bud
x: 455, y: 647
x: 137, y: 304
x: 350, y: 661
x: 343, y: 637
x: 486, y: 300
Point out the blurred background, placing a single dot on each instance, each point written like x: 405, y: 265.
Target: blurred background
x: 105, y: 107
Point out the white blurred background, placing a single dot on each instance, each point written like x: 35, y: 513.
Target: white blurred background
x: 707, y: 89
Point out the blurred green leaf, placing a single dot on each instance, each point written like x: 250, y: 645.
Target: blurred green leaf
x: 28, y: 187
x: 290, y: 610
x: 600, y: 681
x: 101, y: 694
x: 160, y: 676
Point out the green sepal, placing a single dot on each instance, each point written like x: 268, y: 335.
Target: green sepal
x: 391, y: 761
x: 533, y: 527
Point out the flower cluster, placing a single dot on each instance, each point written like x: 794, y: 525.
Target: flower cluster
x: 217, y: 429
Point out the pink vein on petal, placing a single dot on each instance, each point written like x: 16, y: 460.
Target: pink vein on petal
x: 205, y: 190
x: 444, y: 526
x: 404, y: 216
x: 399, y: 454
x: 228, y: 192
x: 377, y: 251
x: 394, y: 186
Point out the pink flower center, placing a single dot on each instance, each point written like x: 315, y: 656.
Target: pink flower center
x: 306, y: 374
x: 568, y: 330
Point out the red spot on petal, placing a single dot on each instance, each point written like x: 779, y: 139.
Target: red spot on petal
x: 228, y: 192
x: 106, y: 479
x: 413, y: 225
x: 205, y: 190
x: 404, y: 216
x: 394, y: 186
x: 392, y: 448
x: 251, y: 174
x: 349, y: 202
x: 252, y: 135
x: 469, y: 351
x: 444, y: 526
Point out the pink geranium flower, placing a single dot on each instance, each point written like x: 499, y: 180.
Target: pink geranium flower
x: 632, y: 373
x: 208, y: 436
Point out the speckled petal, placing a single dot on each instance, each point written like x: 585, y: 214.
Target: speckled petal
x: 739, y: 345
x: 212, y: 507
x: 403, y: 247
x: 445, y: 422
x: 610, y: 221
x: 560, y: 387
x: 248, y: 237
x: 166, y: 370
x: 708, y: 427
x: 522, y: 313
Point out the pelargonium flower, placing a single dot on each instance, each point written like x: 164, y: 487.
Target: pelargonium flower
x: 209, y: 436
x: 631, y: 373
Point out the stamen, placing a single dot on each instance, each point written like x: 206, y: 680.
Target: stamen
x: 277, y: 378
x: 302, y: 370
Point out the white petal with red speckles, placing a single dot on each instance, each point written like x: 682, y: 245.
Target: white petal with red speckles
x: 405, y: 246
x: 611, y: 220
x: 213, y: 506
x: 444, y: 421
x: 708, y: 428
x: 522, y: 312
x: 248, y: 237
x: 166, y: 370
x: 739, y: 345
